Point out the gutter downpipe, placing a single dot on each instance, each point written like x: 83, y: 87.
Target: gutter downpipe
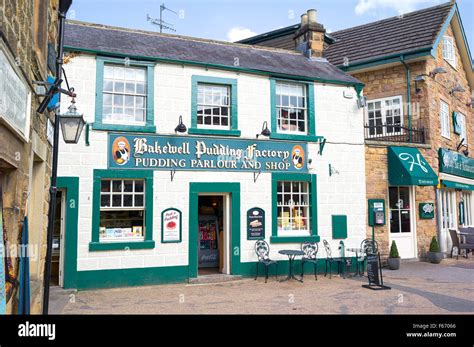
x: 408, y: 77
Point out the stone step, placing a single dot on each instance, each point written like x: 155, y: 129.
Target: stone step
x: 217, y: 278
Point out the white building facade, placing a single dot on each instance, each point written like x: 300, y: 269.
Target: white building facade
x: 144, y: 204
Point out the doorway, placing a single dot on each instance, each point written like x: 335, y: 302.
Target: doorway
x: 446, y: 217
x: 403, y: 221
x: 212, y: 234
x: 57, y: 263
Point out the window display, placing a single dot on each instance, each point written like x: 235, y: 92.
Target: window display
x: 293, y: 206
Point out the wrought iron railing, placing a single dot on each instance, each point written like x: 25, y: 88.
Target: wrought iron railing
x: 394, y: 133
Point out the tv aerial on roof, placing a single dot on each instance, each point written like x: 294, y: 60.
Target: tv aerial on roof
x: 159, y: 22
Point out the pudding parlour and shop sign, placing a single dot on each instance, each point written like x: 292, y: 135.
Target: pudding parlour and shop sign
x: 196, y: 153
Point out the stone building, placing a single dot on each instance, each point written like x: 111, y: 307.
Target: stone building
x: 27, y: 38
x: 418, y: 74
x: 159, y: 202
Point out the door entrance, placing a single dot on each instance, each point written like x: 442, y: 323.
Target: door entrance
x: 212, y: 234
x: 58, y: 245
x: 446, y: 217
x: 403, y: 221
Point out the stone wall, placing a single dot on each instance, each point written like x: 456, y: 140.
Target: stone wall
x: 25, y: 162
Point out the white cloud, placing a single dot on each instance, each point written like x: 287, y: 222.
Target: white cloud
x: 401, y: 6
x: 239, y: 33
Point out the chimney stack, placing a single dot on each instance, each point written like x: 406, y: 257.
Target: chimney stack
x: 309, y: 38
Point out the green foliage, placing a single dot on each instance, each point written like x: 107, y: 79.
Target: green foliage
x: 434, y: 246
x: 394, y: 251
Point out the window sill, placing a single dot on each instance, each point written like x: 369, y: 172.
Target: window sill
x: 149, y: 128
x: 199, y: 131
x: 295, y: 137
x: 294, y: 239
x: 116, y: 246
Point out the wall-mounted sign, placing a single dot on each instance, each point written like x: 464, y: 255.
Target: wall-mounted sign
x: 15, y: 97
x: 455, y: 163
x: 255, y: 224
x: 457, y: 123
x: 205, y: 154
x: 171, y: 225
x: 426, y: 210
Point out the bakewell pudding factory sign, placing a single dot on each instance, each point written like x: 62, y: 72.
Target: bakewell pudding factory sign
x: 204, y: 154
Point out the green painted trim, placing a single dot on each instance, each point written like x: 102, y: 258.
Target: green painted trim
x: 86, y: 136
x: 209, y: 65
x: 147, y: 175
x: 408, y: 80
x: 339, y: 226
x: 234, y: 122
x: 123, y: 246
x: 71, y: 185
x: 442, y: 31
x: 313, y: 218
x: 133, y: 277
x: 180, y: 225
x: 294, y: 239
x: 270, y: 35
x: 214, y: 187
x: 217, y: 132
x: 311, y: 135
x: 99, y: 86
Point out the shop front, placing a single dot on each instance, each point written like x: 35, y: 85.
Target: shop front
x: 407, y: 169
x: 455, y: 195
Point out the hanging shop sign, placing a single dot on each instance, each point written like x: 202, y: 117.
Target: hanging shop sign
x: 15, y: 98
x: 426, y: 210
x: 171, y: 225
x: 255, y: 224
x: 203, y: 154
x: 454, y: 163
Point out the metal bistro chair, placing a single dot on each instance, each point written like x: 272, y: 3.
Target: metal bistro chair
x: 368, y: 246
x: 263, y: 250
x: 310, y: 250
x: 330, y: 260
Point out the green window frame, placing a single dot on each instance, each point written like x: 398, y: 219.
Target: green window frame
x: 313, y: 209
x: 149, y: 126
x: 234, y: 127
x: 311, y: 119
x: 148, y: 242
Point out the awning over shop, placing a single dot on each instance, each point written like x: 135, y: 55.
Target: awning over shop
x: 407, y: 167
x: 457, y: 185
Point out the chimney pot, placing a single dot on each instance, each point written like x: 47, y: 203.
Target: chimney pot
x: 312, y: 16
x: 304, y: 19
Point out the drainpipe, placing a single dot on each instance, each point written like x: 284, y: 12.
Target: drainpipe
x: 408, y: 77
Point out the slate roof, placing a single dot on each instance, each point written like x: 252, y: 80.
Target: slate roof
x: 415, y: 30
x: 136, y: 43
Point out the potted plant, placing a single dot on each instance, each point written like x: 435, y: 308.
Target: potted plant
x: 393, y: 257
x: 434, y: 255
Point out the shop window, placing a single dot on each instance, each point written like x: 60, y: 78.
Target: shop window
x: 385, y: 117
x: 122, y: 210
x: 449, y: 53
x: 400, y: 209
x: 294, y: 208
x: 124, y: 97
x: 214, y: 106
x: 446, y: 206
x: 444, y: 119
x: 467, y: 199
x: 292, y: 106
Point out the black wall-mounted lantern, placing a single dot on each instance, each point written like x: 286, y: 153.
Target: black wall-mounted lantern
x: 265, y: 131
x: 180, y: 128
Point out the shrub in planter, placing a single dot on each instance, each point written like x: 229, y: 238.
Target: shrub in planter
x: 393, y: 257
x: 434, y: 254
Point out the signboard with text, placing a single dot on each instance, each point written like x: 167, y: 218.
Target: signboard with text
x: 455, y: 163
x: 255, y: 224
x: 156, y: 152
x: 171, y: 225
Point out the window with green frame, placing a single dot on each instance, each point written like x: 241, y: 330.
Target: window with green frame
x: 294, y: 208
x: 124, y: 95
x: 292, y: 110
x: 122, y: 210
x: 214, y: 106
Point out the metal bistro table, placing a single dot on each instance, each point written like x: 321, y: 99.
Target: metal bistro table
x: 291, y: 256
x: 357, y: 251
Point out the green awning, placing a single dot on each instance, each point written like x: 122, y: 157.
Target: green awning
x: 407, y: 167
x: 457, y: 185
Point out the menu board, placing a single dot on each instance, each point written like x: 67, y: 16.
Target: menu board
x: 255, y: 224
x: 373, y: 269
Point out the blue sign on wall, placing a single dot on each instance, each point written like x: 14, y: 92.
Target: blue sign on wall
x: 158, y: 152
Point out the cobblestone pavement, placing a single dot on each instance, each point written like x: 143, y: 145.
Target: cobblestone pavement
x: 417, y: 288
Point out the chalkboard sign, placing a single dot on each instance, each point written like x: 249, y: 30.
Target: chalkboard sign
x: 255, y: 224
x: 374, y: 273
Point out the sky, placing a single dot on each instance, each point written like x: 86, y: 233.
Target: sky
x: 232, y: 20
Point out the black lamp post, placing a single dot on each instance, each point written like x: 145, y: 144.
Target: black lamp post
x: 71, y: 123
